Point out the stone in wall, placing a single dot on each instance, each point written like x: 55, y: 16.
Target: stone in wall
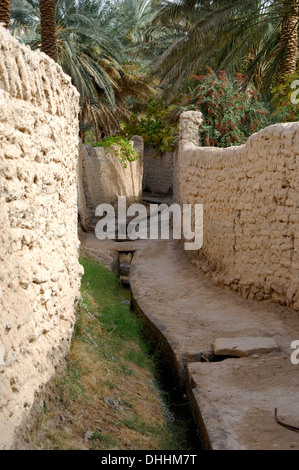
x: 250, y: 195
x: 40, y: 273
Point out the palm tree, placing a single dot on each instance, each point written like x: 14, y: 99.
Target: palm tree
x: 90, y: 52
x: 47, y: 15
x: 5, y: 12
x: 133, y: 16
x: 289, y: 37
x: 224, y: 34
x: 143, y: 41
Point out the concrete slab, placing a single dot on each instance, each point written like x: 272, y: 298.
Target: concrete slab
x: 243, y: 347
x: 106, y: 251
x: 236, y: 399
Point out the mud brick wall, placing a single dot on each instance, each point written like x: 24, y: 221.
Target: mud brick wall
x: 104, y: 177
x: 40, y: 273
x: 157, y: 172
x: 250, y: 195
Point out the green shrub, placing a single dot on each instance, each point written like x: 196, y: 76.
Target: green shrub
x: 122, y: 147
x: 157, y: 127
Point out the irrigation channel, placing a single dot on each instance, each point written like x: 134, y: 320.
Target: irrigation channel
x: 175, y: 402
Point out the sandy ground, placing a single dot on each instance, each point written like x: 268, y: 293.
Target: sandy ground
x: 233, y: 400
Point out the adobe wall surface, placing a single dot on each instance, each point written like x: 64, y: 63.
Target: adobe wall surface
x: 250, y: 195
x: 157, y: 172
x: 105, y: 178
x: 40, y: 273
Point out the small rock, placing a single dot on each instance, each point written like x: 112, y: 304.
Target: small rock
x: 125, y: 259
x: 88, y: 435
x: 114, y: 402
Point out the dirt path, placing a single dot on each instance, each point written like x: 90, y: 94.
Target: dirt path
x: 234, y: 399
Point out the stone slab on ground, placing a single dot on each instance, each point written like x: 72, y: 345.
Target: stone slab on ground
x: 158, y: 200
x: 105, y: 251
x: 242, y: 347
x: 236, y: 399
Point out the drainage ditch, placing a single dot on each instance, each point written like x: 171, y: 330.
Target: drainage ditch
x: 175, y: 403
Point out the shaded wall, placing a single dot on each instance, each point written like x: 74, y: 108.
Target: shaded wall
x: 157, y: 172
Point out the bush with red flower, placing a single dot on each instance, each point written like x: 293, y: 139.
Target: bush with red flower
x: 232, y: 110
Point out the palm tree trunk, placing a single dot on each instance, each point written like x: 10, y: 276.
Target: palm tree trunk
x: 47, y: 14
x: 289, y: 38
x: 82, y: 133
x: 5, y: 12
